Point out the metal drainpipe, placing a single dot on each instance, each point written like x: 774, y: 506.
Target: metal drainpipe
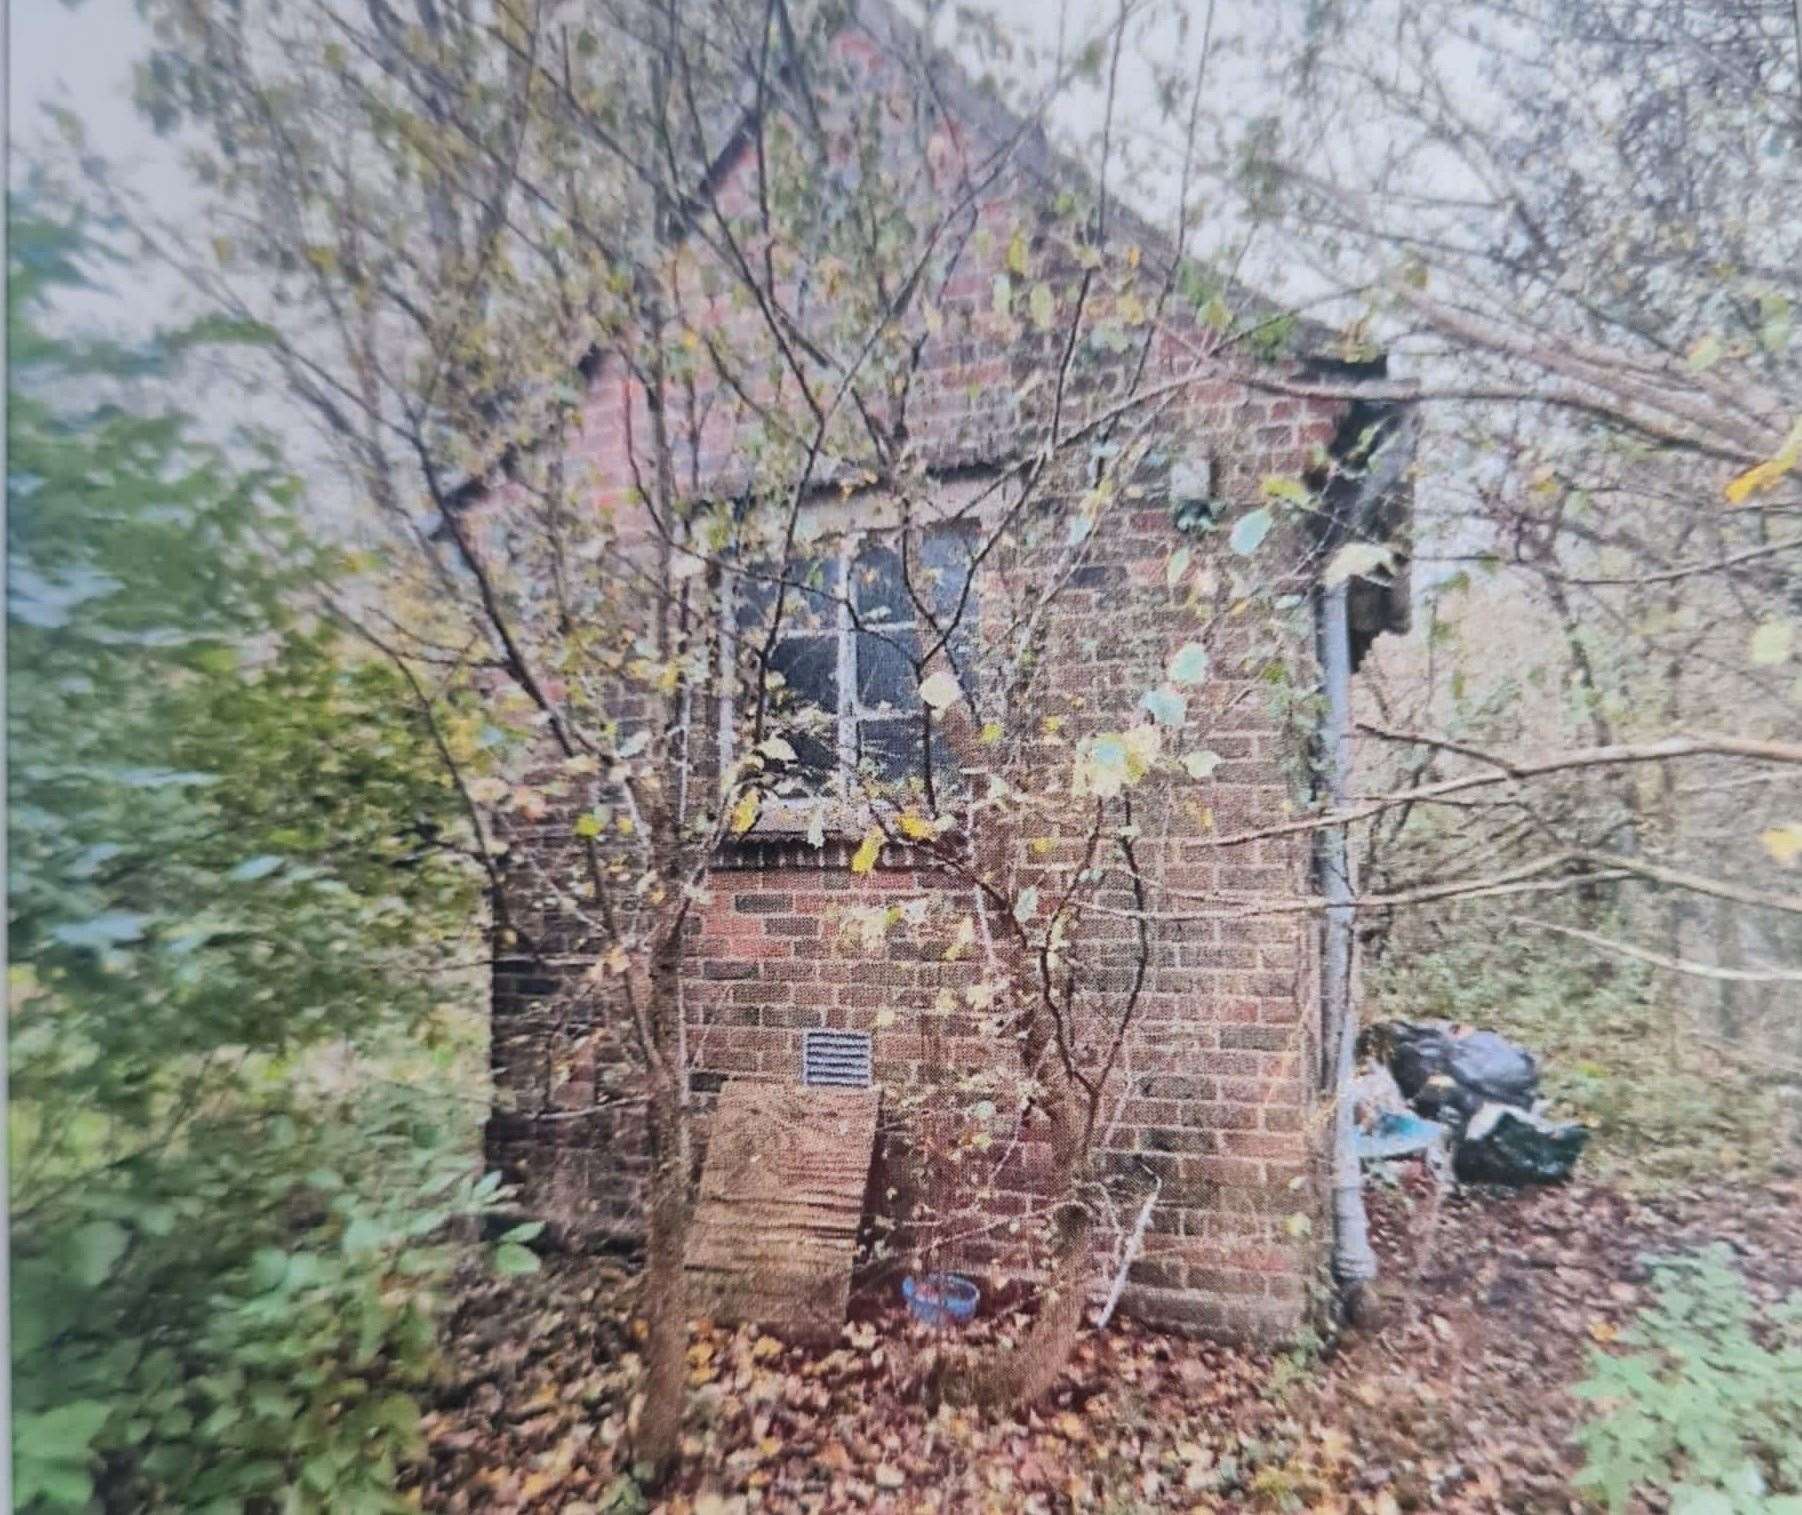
x: 1354, y: 1263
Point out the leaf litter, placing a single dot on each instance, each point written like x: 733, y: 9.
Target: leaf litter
x: 1457, y: 1401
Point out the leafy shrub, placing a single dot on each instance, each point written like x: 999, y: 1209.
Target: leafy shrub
x: 244, y: 1322
x: 1709, y: 1411
x: 233, y: 882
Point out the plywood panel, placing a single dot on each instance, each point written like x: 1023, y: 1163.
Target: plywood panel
x: 781, y: 1198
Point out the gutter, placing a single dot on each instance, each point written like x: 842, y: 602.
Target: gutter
x: 1367, y: 500
x: 1354, y: 1263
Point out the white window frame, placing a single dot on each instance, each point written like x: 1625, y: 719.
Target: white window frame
x: 849, y: 521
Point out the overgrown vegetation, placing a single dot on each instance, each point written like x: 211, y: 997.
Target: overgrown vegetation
x: 236, y: 847
x: 230, y: 890
x: 1666, y: 1105
x: 1709, y: 1411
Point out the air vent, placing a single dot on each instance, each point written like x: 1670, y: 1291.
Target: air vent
x: 836, y: 1059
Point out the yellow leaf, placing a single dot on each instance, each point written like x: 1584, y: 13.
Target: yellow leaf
x: 1784, y: 843
x: 744, y: 813
x: 537, y: 1485
x: 1763, y: 475
x: 1143, y: 744
x: 916, y: 827
x: 991, y: 733
x: 864, y: 859
x: 962, y: 941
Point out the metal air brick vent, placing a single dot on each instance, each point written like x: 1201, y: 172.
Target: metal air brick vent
x: 836, y: 1059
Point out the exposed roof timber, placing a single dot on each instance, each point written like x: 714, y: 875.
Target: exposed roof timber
x: 1369, y: 497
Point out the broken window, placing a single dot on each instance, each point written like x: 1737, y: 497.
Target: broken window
x: 852, y: 622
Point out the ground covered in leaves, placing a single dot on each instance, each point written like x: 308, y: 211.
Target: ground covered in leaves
x: 1455, y: 1402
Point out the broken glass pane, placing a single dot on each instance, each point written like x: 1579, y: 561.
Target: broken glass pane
x: 890, y: 747
x: 878, y: 590
x: 805, y: 708
x: 943, y: 556
x: 809, y: 668
x: 811, y: 603
x: 816, y: 753
x: 885, y: 673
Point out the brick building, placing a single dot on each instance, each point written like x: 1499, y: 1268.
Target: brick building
x: 1218, y: 1071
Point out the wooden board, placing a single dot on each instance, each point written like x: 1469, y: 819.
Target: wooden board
x: 781, y: 1198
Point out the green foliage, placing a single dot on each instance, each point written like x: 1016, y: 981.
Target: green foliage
x: 229, y: 887
x: 1709, y: 1411
x: 242, y: 1320
x: 1665, y: 1108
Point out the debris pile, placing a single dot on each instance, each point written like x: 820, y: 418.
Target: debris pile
x: 1482, y: 1091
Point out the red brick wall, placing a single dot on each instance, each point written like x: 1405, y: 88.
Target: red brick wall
x: 1215, y: 1092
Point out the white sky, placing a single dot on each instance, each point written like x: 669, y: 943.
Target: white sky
x: 81, y: 56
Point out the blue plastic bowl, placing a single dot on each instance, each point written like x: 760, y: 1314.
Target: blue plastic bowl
x: 941, y: 1299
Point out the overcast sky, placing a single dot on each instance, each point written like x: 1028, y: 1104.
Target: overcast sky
x: 81, y: 56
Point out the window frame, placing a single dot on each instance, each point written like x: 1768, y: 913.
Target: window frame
x: 847, y: 523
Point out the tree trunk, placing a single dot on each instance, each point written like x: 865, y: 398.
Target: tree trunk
x: 1028, y: 1372
x: 668, y: 1210
x: 666, y: 1346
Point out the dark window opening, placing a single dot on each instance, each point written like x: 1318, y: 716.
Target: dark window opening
x: 846, y: 691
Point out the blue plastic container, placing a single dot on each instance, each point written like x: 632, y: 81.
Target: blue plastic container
x: 1398, y: 1135
x: 941, y: 1299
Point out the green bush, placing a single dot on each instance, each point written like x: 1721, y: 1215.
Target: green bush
x: 1709, y: 1411
x: 242, y: 1323
x: 235, y: 886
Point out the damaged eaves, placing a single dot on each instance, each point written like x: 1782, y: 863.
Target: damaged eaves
x: 1368, y: 497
